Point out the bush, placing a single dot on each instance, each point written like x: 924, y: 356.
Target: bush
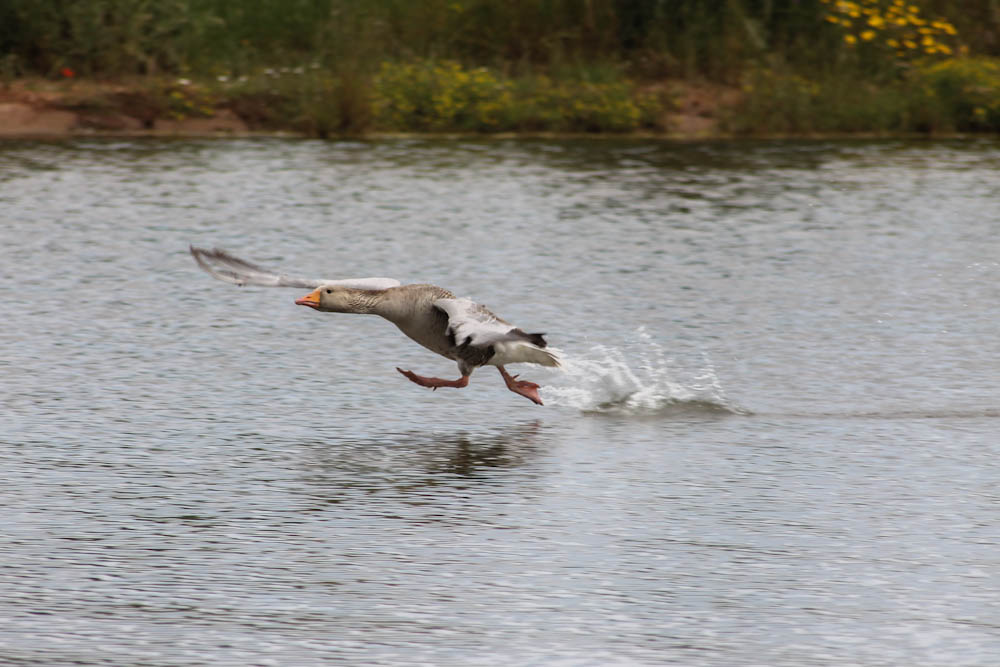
x: 961, y: 94
x: 312, y: 100
x: 441, y: 96
x: 838, y: 102
x: 890, y: 31
x: 445, y: 96
x: 582, y: 106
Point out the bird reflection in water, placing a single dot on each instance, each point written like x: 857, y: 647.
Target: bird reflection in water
x: 420, y: 462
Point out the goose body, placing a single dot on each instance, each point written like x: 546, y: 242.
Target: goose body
x: 455, y: 328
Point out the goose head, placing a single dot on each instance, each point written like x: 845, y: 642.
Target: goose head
x: 340, y: 299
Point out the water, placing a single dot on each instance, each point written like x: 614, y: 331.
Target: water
x: 775, y: 441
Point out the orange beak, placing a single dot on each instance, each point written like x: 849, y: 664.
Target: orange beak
x: 311, y: 299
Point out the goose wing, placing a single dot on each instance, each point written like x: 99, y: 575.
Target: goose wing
x: 232, y: 269
x: 472, y: 324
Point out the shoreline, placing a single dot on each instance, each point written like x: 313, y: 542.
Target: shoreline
x: 45, y: 108
x: 53, y: 110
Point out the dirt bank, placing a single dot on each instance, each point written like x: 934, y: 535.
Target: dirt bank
x: 59, y: 109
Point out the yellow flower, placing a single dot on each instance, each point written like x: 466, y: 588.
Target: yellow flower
x: 868, y: 35
x: 909, y: 43
x: 914, y: 9
x: 892, y: 42
x: 876, y: 21
x: 850, y: 39
x: 944, y: 49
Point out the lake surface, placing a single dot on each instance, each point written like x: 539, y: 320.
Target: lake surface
x: 776, y: 440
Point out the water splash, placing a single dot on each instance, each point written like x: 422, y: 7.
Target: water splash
x: 638, y: 380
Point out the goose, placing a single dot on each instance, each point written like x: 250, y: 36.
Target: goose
x: 456, y: 328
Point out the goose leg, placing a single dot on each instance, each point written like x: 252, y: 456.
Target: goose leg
x: 434, y: 383
x: 527, y: 389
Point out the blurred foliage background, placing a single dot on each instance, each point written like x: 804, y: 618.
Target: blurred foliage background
x: 713, y: 38
x: 821, y: 65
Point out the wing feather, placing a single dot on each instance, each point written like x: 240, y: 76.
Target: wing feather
x: 232, y: 269
x: 473, y: 324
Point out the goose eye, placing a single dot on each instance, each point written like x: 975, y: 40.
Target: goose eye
x: 329, y: 291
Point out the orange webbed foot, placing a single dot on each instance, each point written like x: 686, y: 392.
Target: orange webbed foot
x: 527, y: 389
x: 434, y: 383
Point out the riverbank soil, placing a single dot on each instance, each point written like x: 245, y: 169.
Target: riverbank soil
x: 36, y: 107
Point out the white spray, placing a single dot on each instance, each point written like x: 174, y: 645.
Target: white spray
x: 640, y: 379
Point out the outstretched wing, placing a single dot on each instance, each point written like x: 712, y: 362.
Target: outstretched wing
x: 231, y: 269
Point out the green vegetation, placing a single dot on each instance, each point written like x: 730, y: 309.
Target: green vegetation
x: 895, y: 71
x: 960, y: 95
x: 337, y: 66
x: 446, y: 96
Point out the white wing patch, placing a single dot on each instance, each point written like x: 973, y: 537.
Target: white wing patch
x: 473, y: 324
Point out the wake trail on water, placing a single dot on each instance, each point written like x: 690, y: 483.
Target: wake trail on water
x: 637, y: 380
